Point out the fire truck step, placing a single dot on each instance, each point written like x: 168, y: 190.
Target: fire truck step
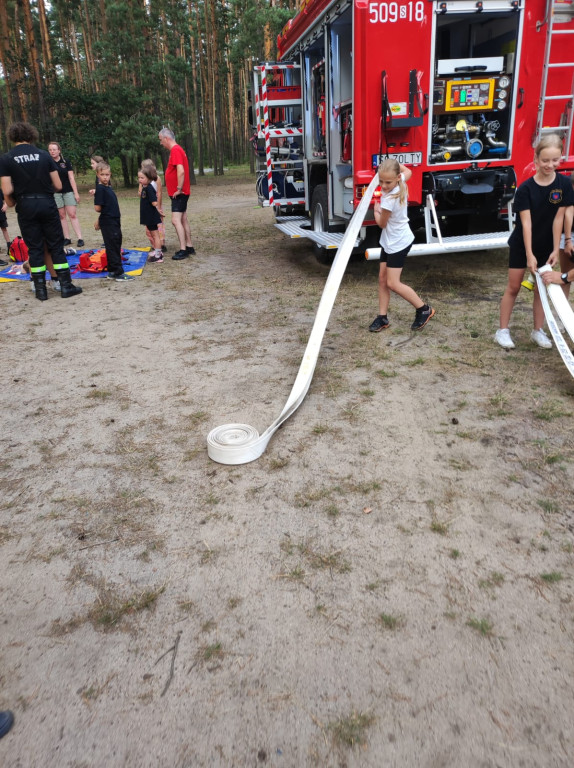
x: 300, y: 226
x: 486, y: 242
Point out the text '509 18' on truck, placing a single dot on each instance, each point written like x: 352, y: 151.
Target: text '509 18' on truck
x: 458, y: 90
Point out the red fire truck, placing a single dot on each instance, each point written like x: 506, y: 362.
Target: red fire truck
x: 458, y: 90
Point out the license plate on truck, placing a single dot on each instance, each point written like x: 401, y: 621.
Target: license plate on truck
x: 405, y: 158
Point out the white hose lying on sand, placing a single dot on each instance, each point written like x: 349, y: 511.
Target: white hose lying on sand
x: 240, y: 443
x: 564, y: 311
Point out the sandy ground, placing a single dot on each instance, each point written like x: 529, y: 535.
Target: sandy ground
x: 390, y: 584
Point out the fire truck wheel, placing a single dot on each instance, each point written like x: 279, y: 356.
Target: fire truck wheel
x: 320, y: 222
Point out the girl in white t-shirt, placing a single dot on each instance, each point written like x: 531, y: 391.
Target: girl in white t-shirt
x: 396, y: 241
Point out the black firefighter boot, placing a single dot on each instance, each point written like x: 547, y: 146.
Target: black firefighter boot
x: 39, y: 280
x: 67, y: 286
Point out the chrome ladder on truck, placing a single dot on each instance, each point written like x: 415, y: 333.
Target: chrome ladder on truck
x: 276, y: 174
x: 557, y: 12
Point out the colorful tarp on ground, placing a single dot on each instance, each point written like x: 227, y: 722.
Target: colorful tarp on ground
x: 134, y: 261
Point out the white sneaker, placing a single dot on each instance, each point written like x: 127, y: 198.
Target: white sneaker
x: 502, y: 337
x: 540, y: 338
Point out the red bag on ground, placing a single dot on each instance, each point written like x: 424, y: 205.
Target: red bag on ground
x: 18, y: 250
x: 94, y: 261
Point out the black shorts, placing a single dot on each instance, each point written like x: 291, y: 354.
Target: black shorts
x: 395, y: 260
x: 3, y: 221
x: 179, y: 204
x: 151, y: 227
x: 517, y: 259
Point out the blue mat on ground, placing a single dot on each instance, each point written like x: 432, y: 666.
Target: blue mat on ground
x: 134, y: 261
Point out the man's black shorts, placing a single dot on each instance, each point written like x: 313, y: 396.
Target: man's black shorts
x: 179, y: 204
x: 3, y: 221
x: 395, y: 260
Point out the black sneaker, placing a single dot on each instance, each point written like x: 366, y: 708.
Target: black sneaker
x: 67, y: 241
x: 422, y: 317
x: 164, y: 249
x: 123, y: 278
x: 380, y: 323
x: 80, y: 243
x: 190, y: 250
x: 3, y: 263
x: 179, y: 255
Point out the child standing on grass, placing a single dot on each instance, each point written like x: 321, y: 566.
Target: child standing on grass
x: 396, y: 241
x: 540, y: 203
x: 109, y: 223
x: 150, y: 213
x: 158, y: 186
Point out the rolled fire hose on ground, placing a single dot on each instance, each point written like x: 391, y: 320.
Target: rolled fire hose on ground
x: 240, y: 443
x: 564, y: 312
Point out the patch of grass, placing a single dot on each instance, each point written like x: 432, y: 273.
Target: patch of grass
x: 551, y: 578
x: 482, y: 626
x: 549, y: 411
x: 389, y: 621
x: 454, y: 554
x: 319, y: 560
x: 352, y: 730
x: 278, y: 463
x: 320, y: 429
x: 368, y: 392
x: 110, y: 609
x: 437, y: 527
x: 316, y: 494
x: 332, y: 510
x: 462, y: 465
x: 499, y: 405
x: 416, y: 361
x: 495, y: 579
x: 213, y: 651
x: 386, y: 374
x: 548, y: 506
x: 553, y: 458
x: 197, y: 417
x: 99, y: 394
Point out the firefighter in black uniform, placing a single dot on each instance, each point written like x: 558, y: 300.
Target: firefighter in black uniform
x: 29, y: 177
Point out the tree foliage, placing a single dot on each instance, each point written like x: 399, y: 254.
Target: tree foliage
x: 103, y: 76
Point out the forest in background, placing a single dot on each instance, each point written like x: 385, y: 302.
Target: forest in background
x: 103, y: 76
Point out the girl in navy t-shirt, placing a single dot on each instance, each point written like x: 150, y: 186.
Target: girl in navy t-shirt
x: 540, y: 203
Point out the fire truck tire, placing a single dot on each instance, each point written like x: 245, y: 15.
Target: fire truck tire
x: 320, y: 222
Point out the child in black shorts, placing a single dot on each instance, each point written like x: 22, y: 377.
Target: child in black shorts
x: 109, y: 222
x: 150, y: 214
x: 540, y: 204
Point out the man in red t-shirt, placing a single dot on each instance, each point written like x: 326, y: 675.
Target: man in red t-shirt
x: 177, y: 185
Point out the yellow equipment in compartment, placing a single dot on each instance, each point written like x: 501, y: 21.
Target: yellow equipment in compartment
x: 469, y: 95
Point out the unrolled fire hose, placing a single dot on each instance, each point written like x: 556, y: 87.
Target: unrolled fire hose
x: 564, y: 312
x: 240, y: 443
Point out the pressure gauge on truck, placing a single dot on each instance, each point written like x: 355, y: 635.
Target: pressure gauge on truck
x: 504, y: 82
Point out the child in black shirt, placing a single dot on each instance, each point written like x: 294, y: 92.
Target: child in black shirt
x: 539, y: 203
x: 109, y: 222
x: 150, y: 214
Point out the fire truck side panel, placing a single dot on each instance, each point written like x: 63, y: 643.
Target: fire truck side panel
x: 391, y: 41
x: 457, y: 90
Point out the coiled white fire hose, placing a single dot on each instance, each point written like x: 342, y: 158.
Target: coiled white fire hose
x: 240, y: 443
x: 564, y: 311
